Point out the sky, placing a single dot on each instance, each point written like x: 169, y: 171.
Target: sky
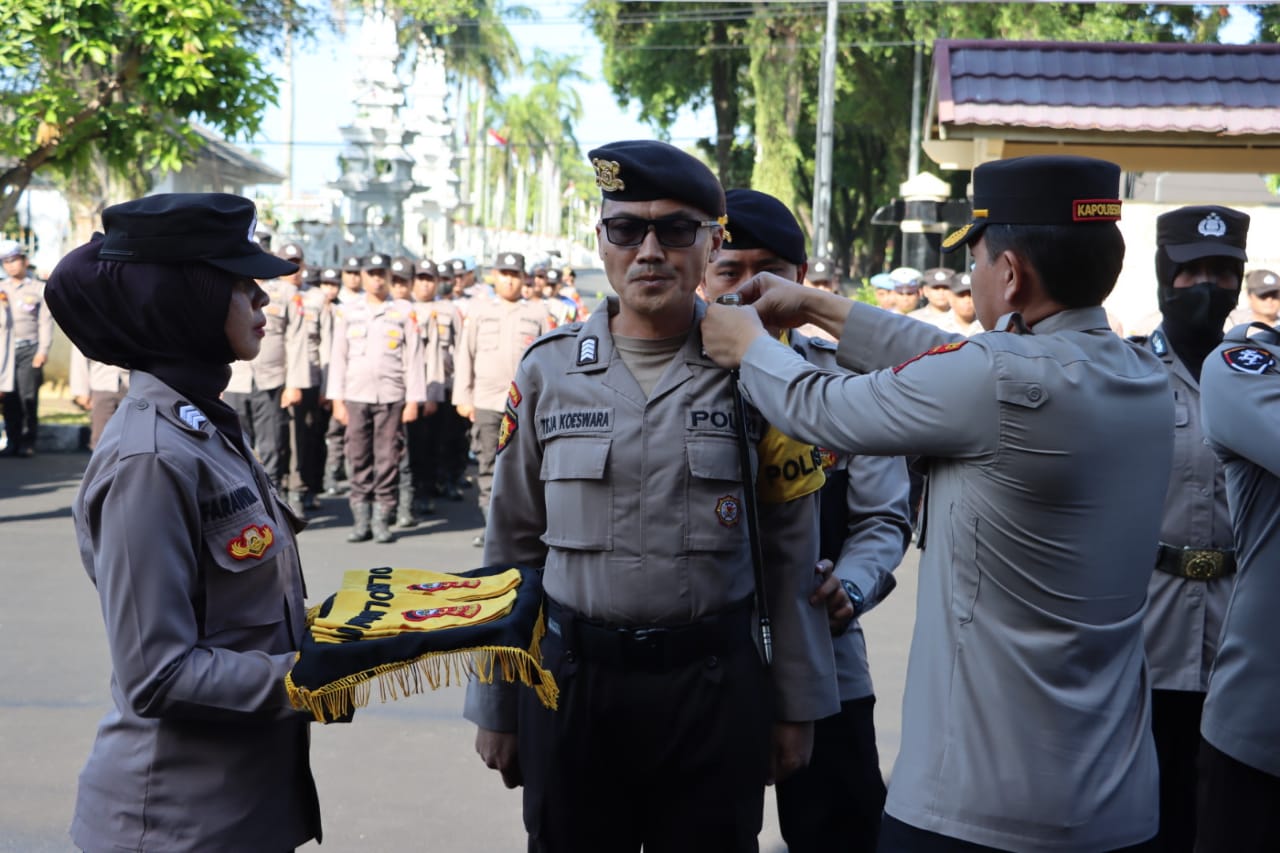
x: 323, y: 75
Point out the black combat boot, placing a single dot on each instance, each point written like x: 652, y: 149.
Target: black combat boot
x: 360, y: 532
x: 381, y: 524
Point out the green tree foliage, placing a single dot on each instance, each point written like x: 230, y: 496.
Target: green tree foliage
x: 774, y: 51
x: 86, y: 79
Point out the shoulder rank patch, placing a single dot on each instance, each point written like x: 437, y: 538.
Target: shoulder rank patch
x: 507, y: 429
x: 1249, y: 359
x: 513, y: 395
x: 587, y: 350
x: 1159, y: 345
x: 728, y: 511
x: 190, y: 415
x: 938, y: 350
x: 253, y: 541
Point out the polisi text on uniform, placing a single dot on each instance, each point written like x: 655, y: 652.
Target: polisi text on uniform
x: 701, y: 419
x: 800, y: 465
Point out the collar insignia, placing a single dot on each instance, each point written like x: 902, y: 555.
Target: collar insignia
x: 1249, y: 359
x: 607, y: 175
x: 190, y: 415
x: 588, y: 350
x: 1159, y: 345
x: 1212, y: 226
x: 253, y: 542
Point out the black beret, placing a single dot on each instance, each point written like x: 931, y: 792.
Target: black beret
x: 1202, y: 231
x: 401, y: 267
x: 509, y: 262
x: 938, y: 277
x: 1040, y: 190
x: 645, y: 170
x: 820, y: 269
x: 171, y: 228
x: 375, y: 261
x: 759, y: 221
x: 1262, y: 281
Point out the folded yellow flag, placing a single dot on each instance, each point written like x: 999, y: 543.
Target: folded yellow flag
x: 409, y: 629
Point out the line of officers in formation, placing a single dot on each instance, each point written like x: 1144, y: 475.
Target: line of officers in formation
x: 381, y: 376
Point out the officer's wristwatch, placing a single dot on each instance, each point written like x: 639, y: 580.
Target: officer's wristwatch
x: 855, y: 596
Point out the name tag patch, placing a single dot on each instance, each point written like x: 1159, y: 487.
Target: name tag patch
x: 581, y: 420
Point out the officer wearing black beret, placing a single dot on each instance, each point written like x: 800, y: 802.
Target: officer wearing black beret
x: 835, y: 803
x: 618, y: 470
x: 1199, y: 264
x: 1050, y: 441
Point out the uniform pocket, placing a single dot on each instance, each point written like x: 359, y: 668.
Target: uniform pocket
x: 243, y: 583
x: 715, y: 514
x: 579, y: 496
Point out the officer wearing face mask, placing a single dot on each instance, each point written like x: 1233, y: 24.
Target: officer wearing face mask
x: 1200, y: 256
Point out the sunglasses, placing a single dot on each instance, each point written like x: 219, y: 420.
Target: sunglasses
x: 629, y: 231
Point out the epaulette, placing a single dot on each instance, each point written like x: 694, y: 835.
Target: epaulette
x: 824, y: 343
x: 555, y: 334
x: 138, y: 432
x: 1140, y: 340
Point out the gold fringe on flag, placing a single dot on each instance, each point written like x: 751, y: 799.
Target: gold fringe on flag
x: 401, y: 679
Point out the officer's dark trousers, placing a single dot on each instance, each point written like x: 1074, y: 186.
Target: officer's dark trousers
x: 673, y: 759
x: 834, y: 804
x: 267, y: 426
x: 1239, y: 806
x: 486, y: 429
x: 308, y: 423
x: 1175, y: 722
x: 375, y: 441
x: 421, y: 446
x: 21, y: 405
x: 454, y: 445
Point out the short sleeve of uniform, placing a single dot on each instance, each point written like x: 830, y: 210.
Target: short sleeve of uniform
x: 1239, y: 395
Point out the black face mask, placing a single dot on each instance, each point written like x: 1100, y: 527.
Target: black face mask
x: 1193, y: 319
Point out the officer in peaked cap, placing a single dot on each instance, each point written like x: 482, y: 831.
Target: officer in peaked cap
x: 341, y: 285
x: 835, y: 803
x: 636, y: 561
x: 291, y: 252
x: 1017, y: 596
x: 963, y: 316
x: 882, y: 287
x: 308, y: 417
x: 26, y: 335
x: 351, y: 285
x: 821, y: 273
x: 1199, y: 265
x: 561, y: 307
x: 935, y: 284
x: 1262, y: 290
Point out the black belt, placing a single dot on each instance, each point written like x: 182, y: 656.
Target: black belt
x: 1199, y: 564
x: 653, y: 648
x: 25, y: 342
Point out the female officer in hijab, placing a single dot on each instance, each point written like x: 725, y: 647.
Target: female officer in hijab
x: 192, y: 553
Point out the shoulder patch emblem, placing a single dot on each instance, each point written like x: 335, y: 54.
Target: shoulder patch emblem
x: 253, y: 541
x: 728, y: 511
x: 588, y: 348
x: 938, y: 350
x: 1249, y: 359
x: 190, y: 415
x: 508, y: 428
x: 514, y: 396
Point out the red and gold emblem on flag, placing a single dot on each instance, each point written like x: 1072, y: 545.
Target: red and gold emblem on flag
x: 938, y: 350
x: 253, y: 541
x: 728, y: 511
x: 440, y: 586
x: 464, y: 611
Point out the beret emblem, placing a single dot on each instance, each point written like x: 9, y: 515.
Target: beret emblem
x: 607, y: 175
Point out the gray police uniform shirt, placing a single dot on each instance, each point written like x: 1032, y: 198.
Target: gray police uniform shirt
x: 313, y: 319
x: 634, y: 506
x: 1026, y: 716
x: 8, y: 382
x: 1184, y: 616
x: 876, y: 502
x: 196, y: 566
x: 30, y: 315
x: 1240, y: 399
x: 494, y: 337
x: 377, y: 353
x: 87, y: 375
x: 438, y: 321
x: 282, y: 360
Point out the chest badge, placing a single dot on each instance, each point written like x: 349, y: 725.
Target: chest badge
x: 728, y: 511
x: 253, y: 542
x: 1249, y: 359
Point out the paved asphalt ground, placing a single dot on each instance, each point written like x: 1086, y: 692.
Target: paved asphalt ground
x: 403, y: 776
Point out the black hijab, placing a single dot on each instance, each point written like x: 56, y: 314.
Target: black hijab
x: 166, y: 319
